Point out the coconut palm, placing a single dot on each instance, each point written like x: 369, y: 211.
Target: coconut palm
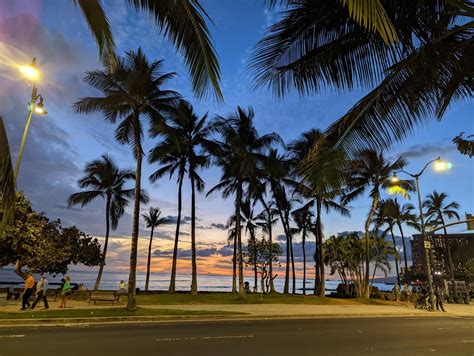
x: 413, y: 75
x: 239, y: 153
x: 404, y: 215
x: 372, y: 171
x: 267, y: 219
x: 152, y: 219
x: 379, y: 252
x: 103, y: 179
x: 183, y: 151
x: 320, y: 168
x: 183, y: 22
x: 437, y: 209
x: 385, y: 215
x: 250, y: 226
x: 303, y: 218
x: 133, y: 93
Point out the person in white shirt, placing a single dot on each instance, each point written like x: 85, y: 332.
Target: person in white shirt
x: 41, y: 288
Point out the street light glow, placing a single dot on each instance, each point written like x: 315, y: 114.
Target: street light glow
x: 39, y: 107
x: 395, y: 179
x: 442, y: 165
x: 29, y: 72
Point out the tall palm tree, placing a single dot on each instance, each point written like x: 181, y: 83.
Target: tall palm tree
x: 186, y: 137
x: 372, y: 171
x: 152, y: 219
x: 437, y: 209
x: 303, y: 218
x: 320, y: 168
x: 385, y: 215
x: 132, y: 93
x: 266, y: 219
x: 250, y: 226
x: 239, y: 153
x: 183, y: 22
x: 404, y: 215
x: 105, y: 180
x: 415, y: 69
x: 379, y: 252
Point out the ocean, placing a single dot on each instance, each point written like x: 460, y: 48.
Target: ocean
x: 160, y: 281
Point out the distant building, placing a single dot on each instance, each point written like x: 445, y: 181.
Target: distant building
x: 462, y: 248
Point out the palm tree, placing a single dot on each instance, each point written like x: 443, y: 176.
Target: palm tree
x: 303, y: 218
x: 372, y: 170
x: 183, y: 150
x: 385, y: 214
x: 105, y: 180
x: 250, y: 225
x: 266, y: 219
x: 415, y: 68
x: 404, y: 215
x: 379, y: 252
x: 181, y: 21
x: 132, y: 93
x: 437, y: 209
x: 152, y: 220
x: 320, y: 167
x: 240, y: 154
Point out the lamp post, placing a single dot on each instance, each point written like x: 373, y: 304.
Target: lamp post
x: 35, y: 105
x: 440, y: 165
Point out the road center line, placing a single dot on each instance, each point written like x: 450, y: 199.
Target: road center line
x: 4, y: 336
x: 206, y: 338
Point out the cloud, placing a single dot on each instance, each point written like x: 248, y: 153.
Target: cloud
x: 281, y: 238
x: 219, y: 226
x: 430, y: 149
x: 173, y: 219
x: 186, y: 253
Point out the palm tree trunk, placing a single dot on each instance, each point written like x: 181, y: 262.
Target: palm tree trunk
x: 194, y: 290
x: 234, y: 266
x: 149, y: 261
x: 132, y: 278
x: 106, y: 242
x: 316, y: 265
x: 375, y: 202
x: 292, y: 262
x: 269, y: 222
x: 287, y: 268
x: 450, y: 257
x: 404, y: 252
x: 319, y: 228
x: 304, y: 262
x: 172, y: 287
x: 396, y: 256
x: 252, y: 236
x: 238, y: 236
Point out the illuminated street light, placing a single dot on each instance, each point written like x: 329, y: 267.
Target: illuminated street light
x: 30, y: 71
x: 439, y: 166
x: 39, y: 107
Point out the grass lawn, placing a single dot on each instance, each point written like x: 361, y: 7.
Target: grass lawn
x: 232, y: 298
x: 109, y: 312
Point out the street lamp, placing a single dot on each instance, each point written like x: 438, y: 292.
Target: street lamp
x: 35, y: 105
x: 439, y: 166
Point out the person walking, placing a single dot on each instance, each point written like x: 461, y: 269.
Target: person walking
x: 41, y: 288
x: 28, y: 290
x: 407, y: 292
x: 439, y: 298
x: 396, y: 290
x: 65, y: 291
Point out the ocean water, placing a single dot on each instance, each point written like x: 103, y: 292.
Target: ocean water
x: 160, y: 281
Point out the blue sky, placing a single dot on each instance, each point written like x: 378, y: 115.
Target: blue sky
x: 61, y: 143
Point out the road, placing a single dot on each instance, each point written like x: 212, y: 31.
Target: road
x: 354, y: 336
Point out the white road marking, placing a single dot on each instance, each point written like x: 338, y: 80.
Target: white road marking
x: 4, y: 336
x: 206, y: 338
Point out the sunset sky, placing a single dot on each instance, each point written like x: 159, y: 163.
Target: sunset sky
x: 61, y: 143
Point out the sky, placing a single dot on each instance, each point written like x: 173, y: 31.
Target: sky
x: 60, y: 144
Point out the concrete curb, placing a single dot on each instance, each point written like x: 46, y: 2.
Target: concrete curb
x: 98, y: 321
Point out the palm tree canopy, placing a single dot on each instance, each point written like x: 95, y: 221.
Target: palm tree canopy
x: 437, y: 207
x: 371, y: 169
x: 153, y: 218
x: 104, y: 179
x: 317, y: 44
x: 134, y: 88
x: 183, y: 22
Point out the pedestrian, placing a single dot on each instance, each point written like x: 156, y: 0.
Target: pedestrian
x: 41, y: 288
x: 396, y: 291
x: 439, y: 298
x: 65, y: 291
x: 28, y: 290
x: 407, y: 292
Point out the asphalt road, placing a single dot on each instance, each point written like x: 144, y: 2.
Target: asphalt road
x: 354, y: 336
